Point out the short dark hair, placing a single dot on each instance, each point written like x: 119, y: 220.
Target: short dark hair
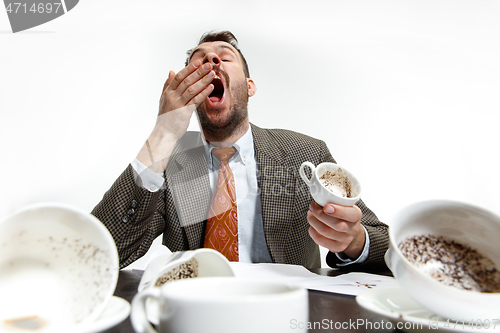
x: 222, y: 36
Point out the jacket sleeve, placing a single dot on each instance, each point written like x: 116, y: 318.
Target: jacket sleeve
x: 379, y: 241
x: 133, y: 215
x: 377, y: 231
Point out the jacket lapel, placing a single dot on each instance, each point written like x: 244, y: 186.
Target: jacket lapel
x: 277, y: 190
x: 187, y: 178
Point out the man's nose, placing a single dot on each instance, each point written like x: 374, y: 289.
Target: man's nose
x: 212, y: 58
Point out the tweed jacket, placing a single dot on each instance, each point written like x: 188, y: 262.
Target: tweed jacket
x: 135, y: 216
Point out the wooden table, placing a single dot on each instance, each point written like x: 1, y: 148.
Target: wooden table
x: 328, y: 312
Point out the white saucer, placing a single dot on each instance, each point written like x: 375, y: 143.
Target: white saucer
x: 407, y: 315
x: 114, y: 313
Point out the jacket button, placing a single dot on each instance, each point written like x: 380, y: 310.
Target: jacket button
x: 125, y: 218
x: 133, y: 204
x: 131, y: 211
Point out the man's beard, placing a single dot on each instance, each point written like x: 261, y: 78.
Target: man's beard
x: 219, y: 130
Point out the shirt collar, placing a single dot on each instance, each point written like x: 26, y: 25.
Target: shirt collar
x: 244, y: 149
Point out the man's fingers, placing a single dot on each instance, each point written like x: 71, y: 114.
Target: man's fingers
x: 332, y: 230
x: 198, y: 99
x: 190, y: 96
x: 195, y: 82
x: 345, y: 213
x: 331, y: 244
x: 327, y: 226
x: 183, y: 73
x: 319, y: 226
x: 170, y: 78
x: 334, y: 220
x: 190, y: 86
x: 188, y: 76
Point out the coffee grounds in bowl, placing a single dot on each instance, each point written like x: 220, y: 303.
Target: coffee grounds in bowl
x: 337, y: 182
x: 187, y: 270
x: 452, y: 263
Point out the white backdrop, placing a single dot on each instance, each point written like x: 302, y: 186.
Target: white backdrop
x: 405, y: 93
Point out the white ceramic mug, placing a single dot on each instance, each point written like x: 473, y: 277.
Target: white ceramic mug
x: 58, y: 269
x: 223, y: 305
x: 320, y: 193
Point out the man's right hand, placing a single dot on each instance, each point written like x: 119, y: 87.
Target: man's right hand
x: 181, y: 94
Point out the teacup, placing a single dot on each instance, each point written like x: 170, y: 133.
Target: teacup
x: 223, y: 305
x: 58, y: 269
x: 320, y: 193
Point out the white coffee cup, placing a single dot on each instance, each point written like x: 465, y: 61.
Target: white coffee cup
x: 320, y: 193
x: 58, y: 269
x: 223, y: 305
x: 208, y: 261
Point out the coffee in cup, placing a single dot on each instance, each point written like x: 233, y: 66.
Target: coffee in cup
x: 331, y: 183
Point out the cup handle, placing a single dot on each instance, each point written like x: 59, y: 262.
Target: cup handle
x: 387, y: 257
x: 303, y: 174
x: 138, y: 314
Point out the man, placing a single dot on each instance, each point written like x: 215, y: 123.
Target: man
x: 269, y: 210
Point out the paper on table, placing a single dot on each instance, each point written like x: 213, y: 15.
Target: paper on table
x: 356, y: 283
x: 349, y: 284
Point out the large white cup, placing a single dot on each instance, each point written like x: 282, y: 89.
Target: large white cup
x: 58, y: 269
x: 320, y: 193
x: 223, y: 305
x: 462, y: 222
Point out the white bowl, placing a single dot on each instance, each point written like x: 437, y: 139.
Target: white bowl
x: 58, y: 268
x: 464, y: 223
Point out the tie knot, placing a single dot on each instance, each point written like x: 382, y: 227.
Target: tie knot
x: 223, y: 154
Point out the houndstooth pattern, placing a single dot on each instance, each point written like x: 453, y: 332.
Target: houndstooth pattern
x: 179, y: 210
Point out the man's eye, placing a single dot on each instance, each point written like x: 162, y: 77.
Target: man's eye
x: 225, y: 60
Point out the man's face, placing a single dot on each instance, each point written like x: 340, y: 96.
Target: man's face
x: 226, y: 107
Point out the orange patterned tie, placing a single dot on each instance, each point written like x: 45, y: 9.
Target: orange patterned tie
x: 222, y: 224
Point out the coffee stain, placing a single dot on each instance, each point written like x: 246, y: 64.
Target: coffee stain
x: 29, y: 324
x: 367, y: 285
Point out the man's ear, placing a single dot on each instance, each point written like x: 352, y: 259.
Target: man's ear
x: 252, y: 87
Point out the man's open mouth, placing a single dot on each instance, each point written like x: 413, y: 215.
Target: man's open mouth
x: 217, y: 96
